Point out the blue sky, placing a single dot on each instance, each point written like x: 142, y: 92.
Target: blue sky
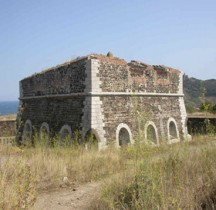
x: 36, y: 34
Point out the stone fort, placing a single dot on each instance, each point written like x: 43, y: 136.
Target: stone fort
x: 116, y: 101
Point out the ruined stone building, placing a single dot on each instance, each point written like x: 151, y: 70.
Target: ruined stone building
x: 118, y: 102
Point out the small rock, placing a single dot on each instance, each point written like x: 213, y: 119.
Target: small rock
x: 109, y: 54
x: 65, y: 179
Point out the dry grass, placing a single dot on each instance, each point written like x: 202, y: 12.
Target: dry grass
x: 27, y: 171
x: 8, y: 117
x: 183, y: 176
x: 180, y: 176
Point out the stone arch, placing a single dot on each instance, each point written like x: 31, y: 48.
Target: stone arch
x: 151, y: 132
x: 172, y: 129
x: 92, y: 139
x: 44, y: 132
x: 27, y: 132
x: 65, y: 134
x: 123, y: 135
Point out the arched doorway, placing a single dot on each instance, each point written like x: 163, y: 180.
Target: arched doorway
x: 65, y: 136
x: 91, y: 140
x: 27, y: 133
x: 44, y: 134
x: 124, y: 137
x: 173, y: 130
x: 173, y: 133
x: 151, y: 133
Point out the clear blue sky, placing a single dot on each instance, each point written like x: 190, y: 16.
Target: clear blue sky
x: 36, y: 34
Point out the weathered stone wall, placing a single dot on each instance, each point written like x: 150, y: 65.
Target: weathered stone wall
x: 105, y: 95
x: 113, y: 77
x: 45, y: 99
x: 63, y: 79
x: 137, y: 111
x: 137, y: 78
x: 7, y: 128
x: 55, y: 111
x: 158, y: 79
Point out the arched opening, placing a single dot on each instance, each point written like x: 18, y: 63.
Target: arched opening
x: 151, y: 134
x: 173, y: 133
x: 44, y: 133
x: 173, y: 130
x: 91, y: 140
x: 124, y: 137
x: 65, y: 136
x: 27, y: 133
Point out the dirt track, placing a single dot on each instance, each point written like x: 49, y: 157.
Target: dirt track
x: 79, y: 198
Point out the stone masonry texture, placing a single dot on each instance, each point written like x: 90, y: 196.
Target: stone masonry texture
x: 7, y: 128
x: 107, y: 96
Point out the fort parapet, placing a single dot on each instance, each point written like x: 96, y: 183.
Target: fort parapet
x: 116, y: 101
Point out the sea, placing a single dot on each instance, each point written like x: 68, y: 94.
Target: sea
x: 8, y: 107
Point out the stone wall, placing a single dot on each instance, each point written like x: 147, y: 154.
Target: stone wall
x: 63, y: 79
x: 117, y: 101
x: 137, y: 111
x: 45, y: 99
x: 55, y: 111
x: 135, y: 98
x: 7, y: 128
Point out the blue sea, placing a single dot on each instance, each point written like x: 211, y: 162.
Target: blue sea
x: 8, y: 107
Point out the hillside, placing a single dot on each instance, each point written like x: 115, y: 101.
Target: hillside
x: 194, y: 89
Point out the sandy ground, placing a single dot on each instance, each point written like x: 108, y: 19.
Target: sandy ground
x: 78, y: 198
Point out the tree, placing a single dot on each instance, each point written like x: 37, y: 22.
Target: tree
x: 214, y: 109
x: 206, y: 106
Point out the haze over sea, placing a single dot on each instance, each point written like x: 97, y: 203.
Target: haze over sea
x: 8, y: 107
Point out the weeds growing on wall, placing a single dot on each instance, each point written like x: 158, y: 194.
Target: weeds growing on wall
x: 141, y: 118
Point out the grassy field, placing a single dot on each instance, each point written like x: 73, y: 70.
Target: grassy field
x: 180, y: 176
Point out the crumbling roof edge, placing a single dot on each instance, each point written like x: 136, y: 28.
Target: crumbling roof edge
x: 153, y: 67
x: 100, y: 57
x: 57, y: 66
x: 103, y: 58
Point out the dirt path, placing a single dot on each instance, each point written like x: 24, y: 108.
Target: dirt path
x: 79, y: 198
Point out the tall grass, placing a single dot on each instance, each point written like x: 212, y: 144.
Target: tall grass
x: 26, y: 171
x: 180, y: 176
x: 17, y: 183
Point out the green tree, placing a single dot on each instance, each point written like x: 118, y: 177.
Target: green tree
x: 206, y: 106
x: 214, y: 109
